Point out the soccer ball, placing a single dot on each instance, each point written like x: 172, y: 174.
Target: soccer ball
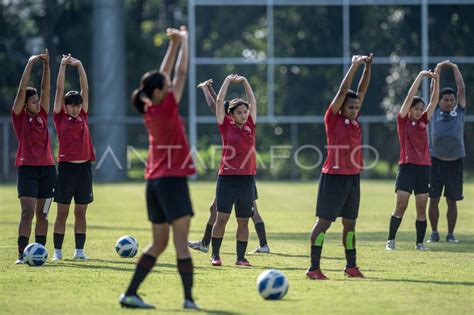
x: 272, y: 284
x: 126, y: 246
x: 35, y: 255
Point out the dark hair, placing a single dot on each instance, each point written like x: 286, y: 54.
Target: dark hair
x: 150, y: 81
x: 30, y: 91
x: 351, y: 94
x: 226, y: 106
x: 447, y: 90
x: 416, y: 100
x: 236, y: 102
x: 73, y: 98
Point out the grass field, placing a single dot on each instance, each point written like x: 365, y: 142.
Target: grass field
x: 440, y: 281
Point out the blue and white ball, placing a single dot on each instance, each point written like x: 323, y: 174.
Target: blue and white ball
x: 35, y: 255
x: 272, y: 284
x: 126, y: 246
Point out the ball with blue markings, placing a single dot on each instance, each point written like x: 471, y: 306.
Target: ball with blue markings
x: 35, y: 255
x: 272, y: 284
x: 126, y: 246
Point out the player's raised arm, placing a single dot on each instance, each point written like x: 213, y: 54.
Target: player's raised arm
x: 83, y: 82
x: 459, y: 84
x: 338, y: 100
x: 434, y: 98
x: 209, y: 94
x: 45, y: 82
x: 220, y: 111
x: 20, y: 97
x: 59, y: 97
x: 365, y: 79
x: 181, y: 67
x: 250, y: 97
x: 168, y: 61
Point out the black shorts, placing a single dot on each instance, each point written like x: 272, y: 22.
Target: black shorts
x: 338, y: 196
x: 412, y: 177
x: 238, y: 190
x: 74, y: 180
x: 167, y: 199
x: 448, y: 174
x: 36, y: 181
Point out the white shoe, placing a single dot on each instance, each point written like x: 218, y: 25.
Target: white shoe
x: 421, y: 247
x: 133, y: 301
x: 20, y: 260
x: 198, y: 245
x: 390, y: 245
x: 58, y: 255
x: 79, y: 255
x: 261, y: 249
x: 190, y: 305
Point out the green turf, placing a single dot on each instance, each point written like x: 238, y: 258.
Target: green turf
x: 406, y: 281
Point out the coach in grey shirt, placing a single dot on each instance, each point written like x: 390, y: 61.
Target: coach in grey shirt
x: 447, y: 153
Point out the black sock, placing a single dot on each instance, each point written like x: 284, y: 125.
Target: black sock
x: 40, y: 239
x: 241, y: 248
x: 58, y: 240
x: 144, y: 266
x: 420, y: 231
x: 351, y: 258
x: 315, y: 257
x: 262, y: 236
x: 80, y: 240
x: 394, y: 225
x: 216, y: 246
x: 185, y: 268
x: 22, y: 243
x: 207, y: 234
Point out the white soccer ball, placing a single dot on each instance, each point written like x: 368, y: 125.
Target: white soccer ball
x: 272, y: 284
x: 35, y: 255
x: 126, y: 246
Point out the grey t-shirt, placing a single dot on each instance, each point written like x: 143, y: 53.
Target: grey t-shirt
x: 447, y: 133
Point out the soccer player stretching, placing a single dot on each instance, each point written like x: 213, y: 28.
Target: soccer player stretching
x: 235, y: 184
x: 203, y: 245
x: 74, y: 158
x: 414, y: 163
x: 339, y: 184
x: 36, y: 172
x: 168, y: 165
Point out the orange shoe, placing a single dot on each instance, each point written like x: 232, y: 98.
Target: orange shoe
x: 353, y: 273
x: 216, y: 261
x: 243, y: 263
x: 316, y: 275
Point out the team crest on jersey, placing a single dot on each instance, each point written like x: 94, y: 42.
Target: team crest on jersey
x: 422, y: 124
x: 453, y: 113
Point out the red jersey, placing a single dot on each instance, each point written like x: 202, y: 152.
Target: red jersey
x: 238, y: 152
x: 344, y: 140
x: 34, y: 146
x: 168, y: 151
x: 413, y: 138
x: 73, y: 137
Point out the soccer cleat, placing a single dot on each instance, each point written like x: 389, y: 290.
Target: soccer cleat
x: 316, y: 275
x: 261, y: 249
x: 190, y: 305
x: 133, y: 301
x: 450, y: 238
x: 390, y: 245
x: 216, y: 261
x: 199, y: 245
x: 58, y: 255
x: 20, y: 260
x: 421, y: 247
x: 353, y: 272
x: 243, y: 263
x: 434, y: 237
x: 79, y: 255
